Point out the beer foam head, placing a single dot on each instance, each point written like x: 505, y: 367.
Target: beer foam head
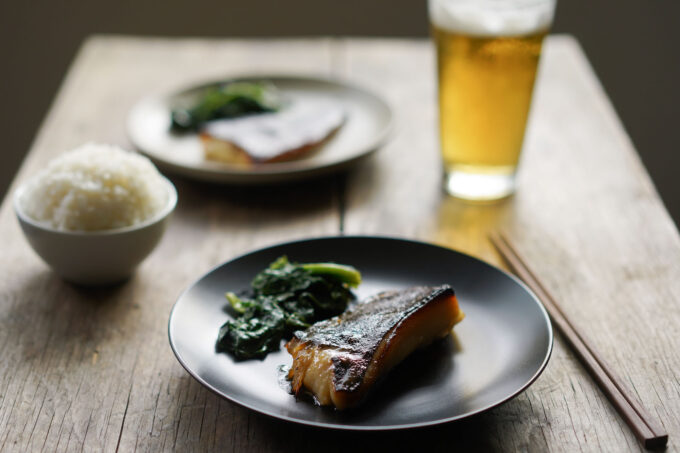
x: 492, y: 17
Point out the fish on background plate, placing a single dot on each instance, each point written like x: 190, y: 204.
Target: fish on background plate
x: 499, y: 350
x: 309, y: 127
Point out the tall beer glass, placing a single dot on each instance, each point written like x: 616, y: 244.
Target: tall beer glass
x: 487, y: 55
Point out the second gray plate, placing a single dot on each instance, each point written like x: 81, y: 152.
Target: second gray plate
x: 367, y: 124
x: 496, y: 352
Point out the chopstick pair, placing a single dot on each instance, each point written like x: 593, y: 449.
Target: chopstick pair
x: 646, y: 428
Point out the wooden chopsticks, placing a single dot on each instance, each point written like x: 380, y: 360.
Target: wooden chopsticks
x: 646, y: 429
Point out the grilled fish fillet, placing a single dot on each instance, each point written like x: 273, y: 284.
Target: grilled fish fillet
x: 340, y: 359
x: 272, y: 137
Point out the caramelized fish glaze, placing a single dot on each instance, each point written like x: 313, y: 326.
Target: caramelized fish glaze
x: 338, y: 360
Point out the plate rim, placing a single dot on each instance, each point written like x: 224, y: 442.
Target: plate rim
x: 344, y: 427
x: 277, y: 172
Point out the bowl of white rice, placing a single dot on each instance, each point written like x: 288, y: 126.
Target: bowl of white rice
x: 94, y: 213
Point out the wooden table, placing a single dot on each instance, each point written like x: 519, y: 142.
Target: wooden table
x: 91, y: 369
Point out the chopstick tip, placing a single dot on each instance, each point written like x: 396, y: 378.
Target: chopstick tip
x: 656, y: 443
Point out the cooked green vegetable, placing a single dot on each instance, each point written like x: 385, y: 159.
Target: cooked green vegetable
x: 345, y: 273
x: 226, y: 101
x: 285, y: 297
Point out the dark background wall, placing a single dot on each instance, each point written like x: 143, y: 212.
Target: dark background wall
x: 632, y: 44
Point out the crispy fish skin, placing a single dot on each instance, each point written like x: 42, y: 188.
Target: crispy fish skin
x: 338, y: 360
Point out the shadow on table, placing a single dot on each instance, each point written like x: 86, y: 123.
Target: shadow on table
x: 226, y: 426
x: 63, y: 313
x: 276, y: 211
x: 480, y: 433
x: 312, y: 193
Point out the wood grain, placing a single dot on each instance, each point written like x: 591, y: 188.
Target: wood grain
x: 91, y: 370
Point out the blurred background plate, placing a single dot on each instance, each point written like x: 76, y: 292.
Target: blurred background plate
x: 496, y: 352
x: 366, y: 127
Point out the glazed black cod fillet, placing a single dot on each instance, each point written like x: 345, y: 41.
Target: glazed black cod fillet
x: 340, y: 359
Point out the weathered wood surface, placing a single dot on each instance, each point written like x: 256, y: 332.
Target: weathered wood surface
x: 90, y: 370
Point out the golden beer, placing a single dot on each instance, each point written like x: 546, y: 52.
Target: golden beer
x: 485, y: 86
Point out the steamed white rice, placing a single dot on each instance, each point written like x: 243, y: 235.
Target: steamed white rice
x: 95, y: 187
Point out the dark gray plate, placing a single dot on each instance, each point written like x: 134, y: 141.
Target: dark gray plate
x: 498, y: 350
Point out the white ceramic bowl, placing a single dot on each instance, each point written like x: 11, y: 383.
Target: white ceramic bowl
x: 96, y: 257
